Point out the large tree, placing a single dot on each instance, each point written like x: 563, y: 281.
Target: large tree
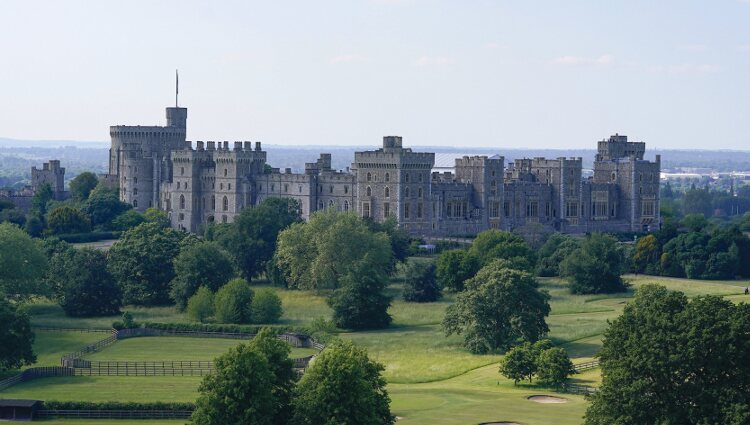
x: 239, y: 392
x: 41, y: 198
x: 285, y: 377
x: 496, y: 244
x: 16, y: 336
x: 668, y: 360
x: 22, y: 263
x: 319, y: 253
x: 200, y: 264
x: 103, y: 205
x: 359, y: 303
x: 499, y: 308
x: 141, y: 262
x: 82, y: 185
x: 233, y: 302
x: 420, y: 284
x: 82, y: 283
x: 342, y: 386
x: 596, y: 266
x: 67, y: 219
x: 553, y: 252
x: 251, y: 238
x: 454, y: 267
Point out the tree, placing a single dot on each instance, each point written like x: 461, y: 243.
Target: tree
x: 553, y: 252
x: 553, y: 366
x: 420, y: 284
x: 519, y: 363
x: 646, y: 255
x: 16, y: 335
x: 233, y: 302
x: 499, y: 308
x: 103, y: 205
x: 669, y: 360
x: 141, y: 262
x: 697, y: 201
x: 342, y: 386
x: 695, y: 222
x: 595, y: 267
x: 276, y: 353
x: 266, y: 306
x: 22, y: 263
x: 495, y: 244
x: 240, y: 391
x: 66, y: 219
x: 127, y: 220
x: 400, y: 239
x: 155, y: 215
x: 319, y: 253
x: 359, y: 303
x: 252, y: 237
x: 42, y: 196
x: 201, y: 305
x: 454, y: 267
x: 82, y: 185
x: 34, y: 224
x: 82, y: 284
x: 200, y: 264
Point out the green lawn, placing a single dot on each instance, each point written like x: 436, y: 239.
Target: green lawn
x: 432, y: 379
x: 172, y: 348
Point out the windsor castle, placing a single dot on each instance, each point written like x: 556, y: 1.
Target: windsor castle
x: 211, y: 182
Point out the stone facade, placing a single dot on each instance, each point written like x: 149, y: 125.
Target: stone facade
x: 213, y: 181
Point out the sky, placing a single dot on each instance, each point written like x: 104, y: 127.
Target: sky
x: 472, y: 73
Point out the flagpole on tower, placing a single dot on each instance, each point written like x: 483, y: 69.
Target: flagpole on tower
x: 176, y: 87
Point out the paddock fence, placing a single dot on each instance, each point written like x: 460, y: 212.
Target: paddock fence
x: 586, y: 366
x: 36, y: 372
x: 115, y: 414
x: 580, y: 389
x: 158, y: 368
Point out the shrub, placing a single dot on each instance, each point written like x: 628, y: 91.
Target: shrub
x: 233, y: 302
x: 554, y: 366
x: 83, y: 285
x: 420, y: 285
x: 266, y: 306
x: 117, y: 405
x: 199, y: 264
x: 201, y: 305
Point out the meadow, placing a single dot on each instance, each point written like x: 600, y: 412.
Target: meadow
x: 432, y: 379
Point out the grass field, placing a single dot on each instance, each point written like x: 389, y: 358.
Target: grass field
x: 432, y: 379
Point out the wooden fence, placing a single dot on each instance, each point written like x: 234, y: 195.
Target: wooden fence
x: 36, y: 372
x: 115, y: 414
x: 580, y: 389
x: 81, y: 330
x: 164, y: 368
x: 137, y: 332
x: 586, y: 366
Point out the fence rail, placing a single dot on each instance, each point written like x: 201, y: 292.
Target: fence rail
x: 81, y: 330
x: 116, y: 414
x: 585, y: 366
x: 580, y: 389
x: 36, y: 372
x: 136, y: 332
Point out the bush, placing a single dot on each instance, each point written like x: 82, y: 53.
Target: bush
x: 88, y: 237
x: 117, y: 405
x: 201, y: 305
x: 82, y: 284
x: 205, y: 327
x: 266, y: 306
x: 596, y: 266
x: 554, y: 366
x: 420, y: 285
x: 454, y: 267
x: 199, y: 264
x: 233, y: 302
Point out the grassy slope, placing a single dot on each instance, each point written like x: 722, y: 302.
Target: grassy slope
x: 432, y: 379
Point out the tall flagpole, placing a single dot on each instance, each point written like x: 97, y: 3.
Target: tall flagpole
x: 176, y: 87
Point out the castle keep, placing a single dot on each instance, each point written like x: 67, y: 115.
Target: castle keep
x: 207, y: 182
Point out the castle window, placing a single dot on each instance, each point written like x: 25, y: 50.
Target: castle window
x: 495, y: 210
x: 221, y: 186
x: 320, y: 205
x: 182, y: 202
x: 273, y: 187
x: 346, y: 205
x: 320, y: 189
x: 406, y: 210
x: 330, y: 203
x: 369, y: 177
x: 386, y: 209
x: 647, y: 208
x: 406, y: 192
x: 571, y: 209
x: 346, y: 189
x: 493, y: 173
x: 135, y: 191
x: 213, y: 203
x: 135, y: 180
x: 286, y: 188
x: 181, y: 216
x: 369, y: 191
x: 387, y: 192
x: 419, y: 210
x: 419, y: 177
x: 419, y: 192
x: 532, y: 209
x: 182, y: 171
x: 387, y: 177
x: 614, y: 176
x: 330, y: 189
x: 506, y: 208
x: 229, y: 186
x: 640, y: 177
x: 365, y: 209
x: 225, y: 172
x: 169, y: 205
x: 225, y: 204
x: 406, y: 177
x: 223, y: 219
x: 135, y: 203
x: 300, y: 188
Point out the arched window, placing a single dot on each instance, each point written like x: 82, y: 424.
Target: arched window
x: 213, y: 203
x: 369, y: 191
x: 369, y: 177
x: 135, y: 191
x: 182, y: 202
x: 330, y: 203
x: 182, y: 171
x: 614, y: 176
x: 225, y: 172
x: 224, y: 218
x: 387, y: 192
x: 135, y: 203
x: 320, y: 205
x: 419, y: 192
x: 420, y: 177
x: 225, y: 204
x: 330, y: 189
x: 406, y: 192
x: 406, y: 177
x: 346, y: 205
x: 387, y: 177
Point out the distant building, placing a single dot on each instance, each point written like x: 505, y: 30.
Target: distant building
x: 51, y: 174
x: 202, y: 183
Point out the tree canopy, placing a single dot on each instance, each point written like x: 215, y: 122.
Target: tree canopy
x: 359, y: 302
x: 420, y: 284
x: 82, y: 283
x: 141, y: 262
x: 496, y: 244
x: 669, y: 360
x: 103, y: 205
x: 199, y: 264
x: 22, y: 263
x: 233, y: 302
x: 499, y: 308
x: 553, y: 252
x: 454, y: 267
x: 67, y: 219
x: 342, y: 386
x: 17, y: 338
x: 596, y: 266
x: 82, y: 185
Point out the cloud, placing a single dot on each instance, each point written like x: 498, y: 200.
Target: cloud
x: 601, y: 61
x: 686, y: 69
x: 348, y: 59
x: 434, y: 61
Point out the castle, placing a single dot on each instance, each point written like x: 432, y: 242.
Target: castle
x: 202, y: 183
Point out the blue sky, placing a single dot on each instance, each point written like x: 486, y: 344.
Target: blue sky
x: 558, y: 74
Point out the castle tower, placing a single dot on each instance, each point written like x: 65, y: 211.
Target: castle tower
x: 52, y: 174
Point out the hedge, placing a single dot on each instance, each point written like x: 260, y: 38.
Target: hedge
x: 203, y: 327
x: 88, y: 237
x: 117, y: 405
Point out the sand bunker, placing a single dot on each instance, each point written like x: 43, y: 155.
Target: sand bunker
x: 547, y: 399
x: 499, y: 423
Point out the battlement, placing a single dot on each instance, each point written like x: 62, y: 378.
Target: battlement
x: 617, y: 146
x: 479, y: 161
